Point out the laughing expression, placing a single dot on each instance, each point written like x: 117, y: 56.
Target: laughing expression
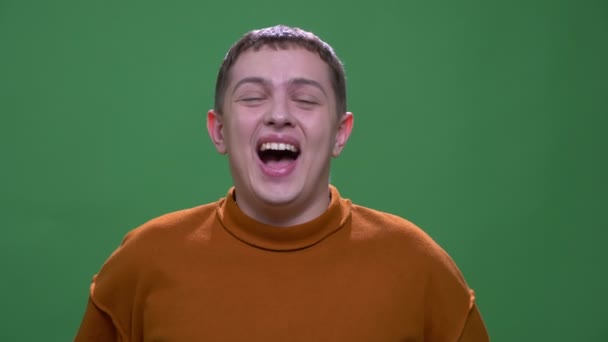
x: 280, y: 129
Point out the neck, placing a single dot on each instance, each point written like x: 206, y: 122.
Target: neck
x: 285, y: 215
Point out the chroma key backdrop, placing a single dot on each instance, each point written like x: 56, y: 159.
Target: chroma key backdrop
x: 484, y: 122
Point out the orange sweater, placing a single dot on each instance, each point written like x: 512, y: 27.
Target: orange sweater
x: 211, y: 273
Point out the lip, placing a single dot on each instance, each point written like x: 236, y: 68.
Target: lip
x: 278, y: 138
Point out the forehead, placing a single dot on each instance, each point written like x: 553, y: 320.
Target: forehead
x: 281, y: 65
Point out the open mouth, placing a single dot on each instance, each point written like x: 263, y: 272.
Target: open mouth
x: 278, y: 155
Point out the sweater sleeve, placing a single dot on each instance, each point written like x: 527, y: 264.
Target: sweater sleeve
x: 453, y: 314
x: 474, y: 328
x: 109, y: 304
x: 96, y: 326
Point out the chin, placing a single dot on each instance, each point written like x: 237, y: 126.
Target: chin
x: 277, y: 194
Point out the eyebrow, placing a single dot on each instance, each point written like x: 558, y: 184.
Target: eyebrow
x: 256, y: 80
x: 307, y: 81
x: 267, y: 84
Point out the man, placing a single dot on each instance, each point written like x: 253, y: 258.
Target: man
x: 283, y: 257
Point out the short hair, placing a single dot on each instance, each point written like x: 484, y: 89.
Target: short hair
x: 283, y: 37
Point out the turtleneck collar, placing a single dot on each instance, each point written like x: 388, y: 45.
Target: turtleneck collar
x: 300, y: 236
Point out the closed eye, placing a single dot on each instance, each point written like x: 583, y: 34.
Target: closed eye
x: 306, y: 101
x: 306, y: 104
x: 252, y: 101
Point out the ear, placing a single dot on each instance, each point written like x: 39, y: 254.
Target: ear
x: 344, y: 129
x: 215, y: 126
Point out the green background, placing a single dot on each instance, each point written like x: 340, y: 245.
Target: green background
x: 484, y: 122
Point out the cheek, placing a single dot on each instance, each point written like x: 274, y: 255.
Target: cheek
x: 239, y: 134
x: 245, y: 120
x: 321, y: 131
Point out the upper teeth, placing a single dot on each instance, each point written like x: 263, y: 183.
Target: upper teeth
x: 278, y: 147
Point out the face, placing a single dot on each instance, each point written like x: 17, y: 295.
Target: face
x: 280, y: 129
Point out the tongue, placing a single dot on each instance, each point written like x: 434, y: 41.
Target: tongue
x: 279, y: 164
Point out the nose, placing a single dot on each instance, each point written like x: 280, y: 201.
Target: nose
x: 279, y: 114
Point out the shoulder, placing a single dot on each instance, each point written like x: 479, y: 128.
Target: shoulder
x: 146, y: 252
x: 155, y: 243
x: 375, y: 224
x: 404, y: 239
x: 413, y: 254
x: 174, y: 225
